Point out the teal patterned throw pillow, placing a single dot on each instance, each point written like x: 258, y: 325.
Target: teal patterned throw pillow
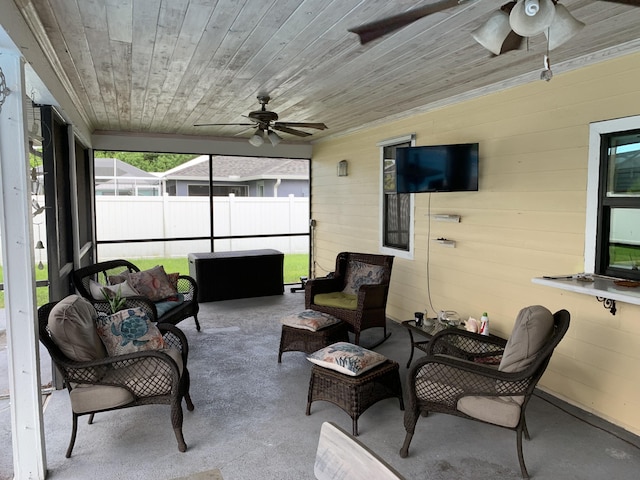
x: 128, y: 331
x: 347, y: 358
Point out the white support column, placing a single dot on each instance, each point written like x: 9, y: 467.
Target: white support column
x: 29, y: 458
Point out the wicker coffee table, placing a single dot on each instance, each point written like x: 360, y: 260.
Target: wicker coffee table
x: 355, y: 394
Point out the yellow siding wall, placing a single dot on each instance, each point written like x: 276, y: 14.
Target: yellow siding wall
x: 527, y: 220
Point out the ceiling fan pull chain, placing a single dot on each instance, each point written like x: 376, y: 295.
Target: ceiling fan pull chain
x: 546, y: 74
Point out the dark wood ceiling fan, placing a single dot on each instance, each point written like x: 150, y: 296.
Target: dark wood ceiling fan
x: 266, y: 120
x: 379, y: 28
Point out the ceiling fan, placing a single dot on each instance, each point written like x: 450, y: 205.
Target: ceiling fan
x: 376, y: 29
x: 266, y: 122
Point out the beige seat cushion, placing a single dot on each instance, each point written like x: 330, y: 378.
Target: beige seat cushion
x: 91, y: 398
x: 533, y: 327
x: 504, y: 411
x: 336, y: 300
x: 72, y: 323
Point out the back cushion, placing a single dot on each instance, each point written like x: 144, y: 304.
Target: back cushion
x: 72, y: 323
x: 153, y: 283
x: 359, y: 273
x: 530, y: 332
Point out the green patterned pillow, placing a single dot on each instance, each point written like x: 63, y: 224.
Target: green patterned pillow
x: 347, y: 358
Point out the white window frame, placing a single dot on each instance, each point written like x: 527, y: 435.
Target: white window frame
x: 596, y: 130
x: 411, y: 138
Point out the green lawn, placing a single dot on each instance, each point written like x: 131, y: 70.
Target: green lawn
x: 295, y: 266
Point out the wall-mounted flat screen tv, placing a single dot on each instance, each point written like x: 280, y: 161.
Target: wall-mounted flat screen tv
x: 437, y: 168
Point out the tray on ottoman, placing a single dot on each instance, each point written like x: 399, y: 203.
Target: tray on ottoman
x: 355, y: 394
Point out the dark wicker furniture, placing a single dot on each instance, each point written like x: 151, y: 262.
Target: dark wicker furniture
x: 302, y: 340
x: 355, y: 394
x: 145, y: 375
x: 453, y: 370
x: 428, y: 330
x: 239, y: 274
x: 372, y: 299
x: 100, y: 273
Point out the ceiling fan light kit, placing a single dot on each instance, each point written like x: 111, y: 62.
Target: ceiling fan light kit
x: 274, y: 138
x: 256, y: 139
x: 532, y: 17
x: 563, y: 27
x: 492, y: 34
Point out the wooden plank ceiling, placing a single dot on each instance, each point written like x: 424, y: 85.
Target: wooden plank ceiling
x: 161, y: 66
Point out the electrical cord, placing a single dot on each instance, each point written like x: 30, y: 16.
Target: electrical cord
x: 584, y: 420
x: 429, y: 255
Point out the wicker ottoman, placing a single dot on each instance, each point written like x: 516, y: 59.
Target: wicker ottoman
x: 355, y: 394
x: 299, y: 338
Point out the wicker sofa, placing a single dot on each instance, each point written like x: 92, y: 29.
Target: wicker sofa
x: 162, y: 312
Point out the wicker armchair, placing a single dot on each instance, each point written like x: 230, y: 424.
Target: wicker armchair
x: 129, y: 380
x: 368, y: 304
x: 101, y: 272
x: 456, y: 376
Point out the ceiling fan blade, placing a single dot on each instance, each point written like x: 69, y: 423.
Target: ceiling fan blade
x: 635, y: 3
x: 373, y: 30
x: 318, y: 126
x: 299, y: 133
x: 224, y: 124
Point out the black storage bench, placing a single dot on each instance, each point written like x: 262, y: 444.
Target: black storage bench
x: 242, y: 274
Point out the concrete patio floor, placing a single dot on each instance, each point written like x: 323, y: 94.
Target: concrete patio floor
x: 249, y: 420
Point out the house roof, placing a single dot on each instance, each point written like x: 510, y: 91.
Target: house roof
x: 240, y: 168
x: 114, y: 167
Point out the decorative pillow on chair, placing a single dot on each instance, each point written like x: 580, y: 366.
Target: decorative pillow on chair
x: 168, y: 303
x: 128, y: 331
x: 153, y: 283
x: 359, y: 273
x: 124, y: 288
x: 310, y: 320
x: 72, y: 325
x: 347, y: 358
x: 173, y: 278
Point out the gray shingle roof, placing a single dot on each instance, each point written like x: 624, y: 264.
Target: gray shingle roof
x: 243, y: 167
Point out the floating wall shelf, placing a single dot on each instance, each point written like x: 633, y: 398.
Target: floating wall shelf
x: 447, y: 218
x: 446, y: 242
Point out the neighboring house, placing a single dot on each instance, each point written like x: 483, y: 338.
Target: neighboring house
x: 241, y: 176
x: 114, y: 177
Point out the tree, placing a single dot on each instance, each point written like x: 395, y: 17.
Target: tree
x: 148, y: 161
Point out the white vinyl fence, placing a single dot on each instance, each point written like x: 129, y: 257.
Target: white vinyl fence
x: 139, y: 217
x: 170, y: 217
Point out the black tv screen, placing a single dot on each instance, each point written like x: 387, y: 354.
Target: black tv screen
x: 437, y: 168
